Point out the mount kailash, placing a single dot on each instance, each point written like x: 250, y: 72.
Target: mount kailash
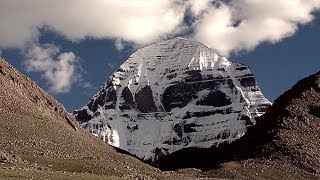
x: 173, y: 95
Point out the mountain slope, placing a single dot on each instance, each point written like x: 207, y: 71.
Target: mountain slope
x: 37, y: 134
x: 293, y: 124
x: 173, y: 95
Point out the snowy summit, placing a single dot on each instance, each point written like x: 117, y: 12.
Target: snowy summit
x: 174, y: 95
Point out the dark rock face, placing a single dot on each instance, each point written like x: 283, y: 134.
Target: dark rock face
x: 83, y: 115
x: 248, y: 81
x: 174, y: 95
x: 144, y: 99
x: 216, y: 99
x: 128, y: 100
x: 178, y: 95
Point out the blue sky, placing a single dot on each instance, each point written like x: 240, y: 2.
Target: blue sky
x: 279, y: 55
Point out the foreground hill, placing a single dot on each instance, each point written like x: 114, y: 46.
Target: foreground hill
x: 291, y: 126
x: 286, y: 137
x: 285, y: 143
x: 39, y: 139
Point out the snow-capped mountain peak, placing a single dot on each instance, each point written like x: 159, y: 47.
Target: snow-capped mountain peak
x: 173, y: 95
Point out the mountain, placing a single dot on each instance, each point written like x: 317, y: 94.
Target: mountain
x: 174, y: 95
x: 40, y: 140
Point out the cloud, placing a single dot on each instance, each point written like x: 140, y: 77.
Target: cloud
x: 244, y: 24
x: 138, y: 21
x: 0, y: 52
x: 86, y: 85
x: 226, y: 25
x: 58, y: 69
x: 198, y: 7
x: 119, y: 44
x: 111, y: 65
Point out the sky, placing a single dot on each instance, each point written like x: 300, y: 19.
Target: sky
x: 70, y: 48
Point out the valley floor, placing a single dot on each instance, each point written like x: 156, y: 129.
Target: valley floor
x: 49, y: 168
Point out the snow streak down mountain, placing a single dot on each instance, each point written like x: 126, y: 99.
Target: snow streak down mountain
x: 173, y: 95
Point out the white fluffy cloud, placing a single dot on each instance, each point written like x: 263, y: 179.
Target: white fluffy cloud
x: 59, y: 69
x: 244, y: 24
x: 228, y: 26
x: 139, y: 21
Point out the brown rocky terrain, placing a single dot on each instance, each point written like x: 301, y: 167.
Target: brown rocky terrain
x: 291, y: 127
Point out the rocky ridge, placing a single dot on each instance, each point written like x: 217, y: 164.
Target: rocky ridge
x: 291, y: 126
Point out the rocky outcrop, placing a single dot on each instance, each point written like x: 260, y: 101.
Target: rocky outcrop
x: 174, y: 95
